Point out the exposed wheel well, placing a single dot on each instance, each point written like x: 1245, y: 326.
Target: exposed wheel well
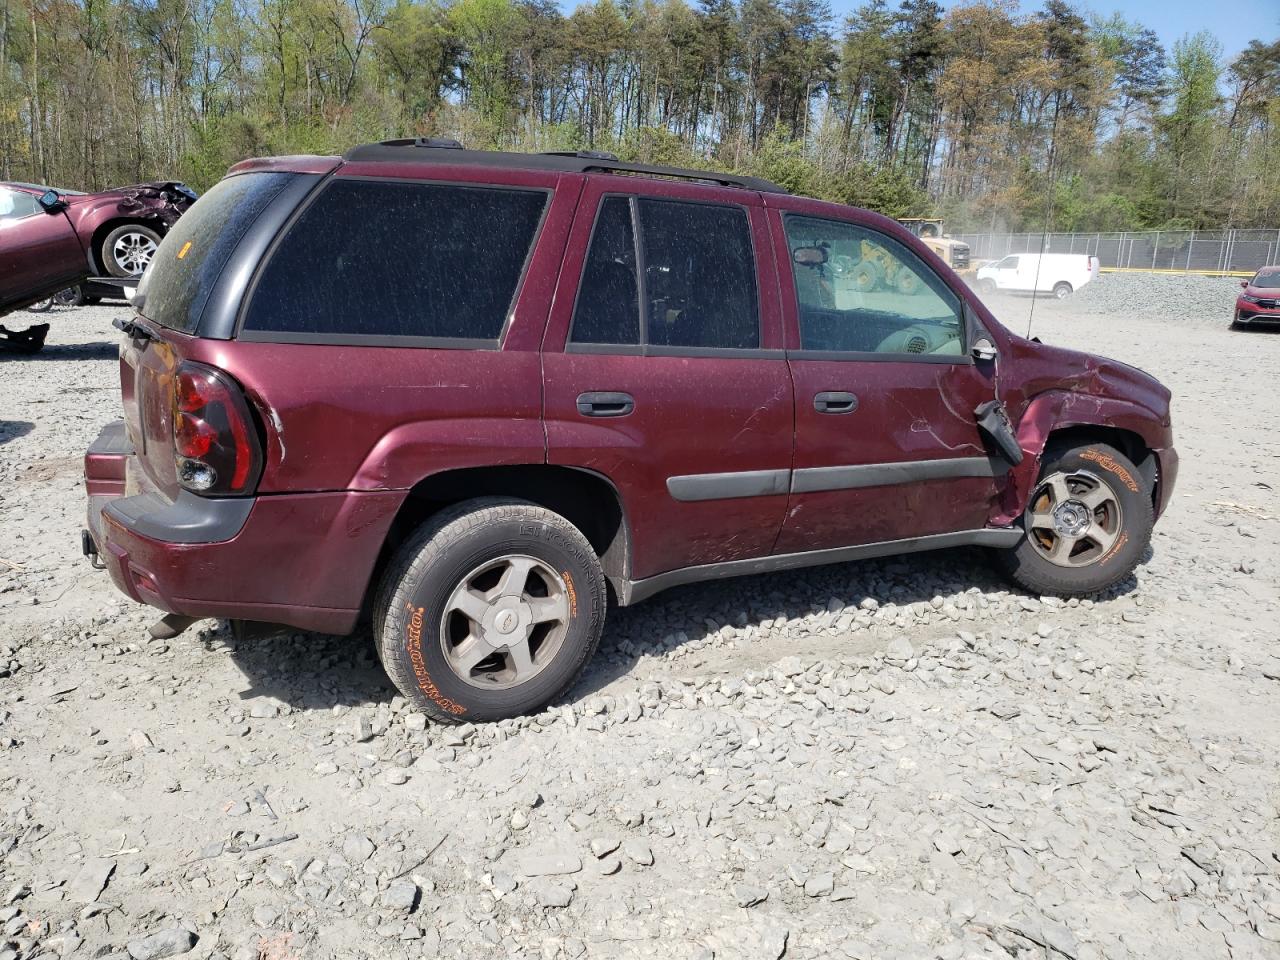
x: 100, y: 234
x: 1126, y: 441
x: 585, y: 499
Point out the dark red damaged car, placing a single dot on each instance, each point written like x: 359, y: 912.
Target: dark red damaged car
x: 473, y: 398
x: 51, y: 238
x: 1259, y: 302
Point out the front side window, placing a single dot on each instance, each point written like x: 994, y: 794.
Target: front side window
x: 374, y: 258
x: 17, y: 204
x: 861, y: 291
x: 1008, y: 263
x: 689, y: 282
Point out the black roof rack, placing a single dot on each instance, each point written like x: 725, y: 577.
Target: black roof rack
x: 581, y: 161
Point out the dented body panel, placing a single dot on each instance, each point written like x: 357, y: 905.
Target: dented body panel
x: 723, y: 462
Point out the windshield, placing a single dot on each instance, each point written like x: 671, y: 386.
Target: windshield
x: 190, y: 259
x: 1267, y: 279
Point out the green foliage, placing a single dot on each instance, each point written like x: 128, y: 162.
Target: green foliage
x: 993, y: 119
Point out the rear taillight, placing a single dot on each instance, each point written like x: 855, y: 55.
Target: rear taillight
x: 215, y: 442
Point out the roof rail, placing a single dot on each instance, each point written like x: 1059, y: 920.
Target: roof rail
x: 579, y: 161
x: 584, y: 154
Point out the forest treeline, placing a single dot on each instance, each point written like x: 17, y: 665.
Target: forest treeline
x: 995, y: 119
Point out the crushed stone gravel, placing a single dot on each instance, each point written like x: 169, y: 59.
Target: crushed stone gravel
x: 901, y: 758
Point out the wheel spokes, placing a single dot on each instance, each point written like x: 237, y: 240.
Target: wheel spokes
x: 1098, y: 497
x: 521, y: 658
x: 515, y: 578
x: 470, y: 652
x: 554, y: 609
x: 1073, y: 519
x: 470, y: 603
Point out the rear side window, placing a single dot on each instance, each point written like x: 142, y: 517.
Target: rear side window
x: 690, y: 282
x: 608, y: 307
x: 405, y: 260
x: 190, y: 260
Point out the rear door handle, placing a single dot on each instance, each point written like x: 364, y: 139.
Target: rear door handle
x: 605, y: 404
x: 835, y: 401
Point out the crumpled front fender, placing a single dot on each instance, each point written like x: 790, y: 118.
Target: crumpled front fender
x: 1056, y: 410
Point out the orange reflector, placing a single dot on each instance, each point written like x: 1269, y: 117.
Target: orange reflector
x: 185, y: 247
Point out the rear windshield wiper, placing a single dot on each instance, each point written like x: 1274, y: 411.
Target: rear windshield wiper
x: 133, y: 329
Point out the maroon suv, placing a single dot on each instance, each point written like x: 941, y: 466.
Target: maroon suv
x: 473, y: 395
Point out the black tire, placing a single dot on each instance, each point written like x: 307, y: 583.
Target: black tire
x: 1028, y: 564
x: 986, y: 286
x: 438, y: 561
x: 1062, y: 290
x: 131, y: 234
x: 40, y: 306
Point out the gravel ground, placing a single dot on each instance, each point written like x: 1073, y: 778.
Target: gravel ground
x: 897, y: 759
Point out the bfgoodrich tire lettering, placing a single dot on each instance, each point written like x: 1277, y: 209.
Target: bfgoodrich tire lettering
x: 1102, y: 510
x: 480, y: 538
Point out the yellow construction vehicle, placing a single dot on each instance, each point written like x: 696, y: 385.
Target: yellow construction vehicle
x: 954, y: 253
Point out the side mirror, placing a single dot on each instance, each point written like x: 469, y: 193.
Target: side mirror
x: 1244, y: 284
x: 50, y: 201
x: 983, y: 350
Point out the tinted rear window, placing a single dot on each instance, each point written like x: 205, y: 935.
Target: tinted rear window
x: 374, y: 259
x: 190, y: 260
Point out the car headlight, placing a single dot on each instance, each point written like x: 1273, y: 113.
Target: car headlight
x: 1248, y: 299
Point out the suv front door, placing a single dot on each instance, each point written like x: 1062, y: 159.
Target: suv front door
x: 664, y: 369
x: 887, y: 446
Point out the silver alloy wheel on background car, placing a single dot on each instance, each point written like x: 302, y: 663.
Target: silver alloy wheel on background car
x: 1073, y: 518
x: 133, y: 252
x: 504, y: 622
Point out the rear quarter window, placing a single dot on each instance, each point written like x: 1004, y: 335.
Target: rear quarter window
x: 187, y: 265
x: 373, y: 260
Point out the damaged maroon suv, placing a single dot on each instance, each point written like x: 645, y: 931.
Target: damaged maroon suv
x: 471, y: 397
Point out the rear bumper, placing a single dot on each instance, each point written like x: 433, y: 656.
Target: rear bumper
x: 304, y: 560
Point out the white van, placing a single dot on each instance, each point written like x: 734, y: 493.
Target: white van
x: 1056, y: 273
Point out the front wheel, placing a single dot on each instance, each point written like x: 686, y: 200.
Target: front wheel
x: 1087, y: 523
x: 127, y: 250
x: 489, y: 611
x: 986, y: 286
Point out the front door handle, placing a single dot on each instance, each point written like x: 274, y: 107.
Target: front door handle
x: 605, y: 404
x: 835, y: 401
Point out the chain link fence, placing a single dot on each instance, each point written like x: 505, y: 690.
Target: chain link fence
x: 1186, y: 251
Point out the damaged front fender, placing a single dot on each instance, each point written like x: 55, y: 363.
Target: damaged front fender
x: 1065, y: 389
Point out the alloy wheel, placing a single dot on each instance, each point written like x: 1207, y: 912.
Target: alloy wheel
x: 504, y: 622
x: 133, y: 252
x: 1074, y: 518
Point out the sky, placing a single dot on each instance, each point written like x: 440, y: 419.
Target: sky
x: 1234, y: 22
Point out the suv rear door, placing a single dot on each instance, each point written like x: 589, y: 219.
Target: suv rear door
x: 664, y: 370
x: 887, y: 445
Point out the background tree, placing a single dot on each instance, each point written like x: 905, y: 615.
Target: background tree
x: 994, y: 118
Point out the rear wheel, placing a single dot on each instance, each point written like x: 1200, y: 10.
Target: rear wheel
x: 490, y: 611
x: 986, y: 286
x: 1062, y: 290
x: 1088, y: 522
x: 127, y: 250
